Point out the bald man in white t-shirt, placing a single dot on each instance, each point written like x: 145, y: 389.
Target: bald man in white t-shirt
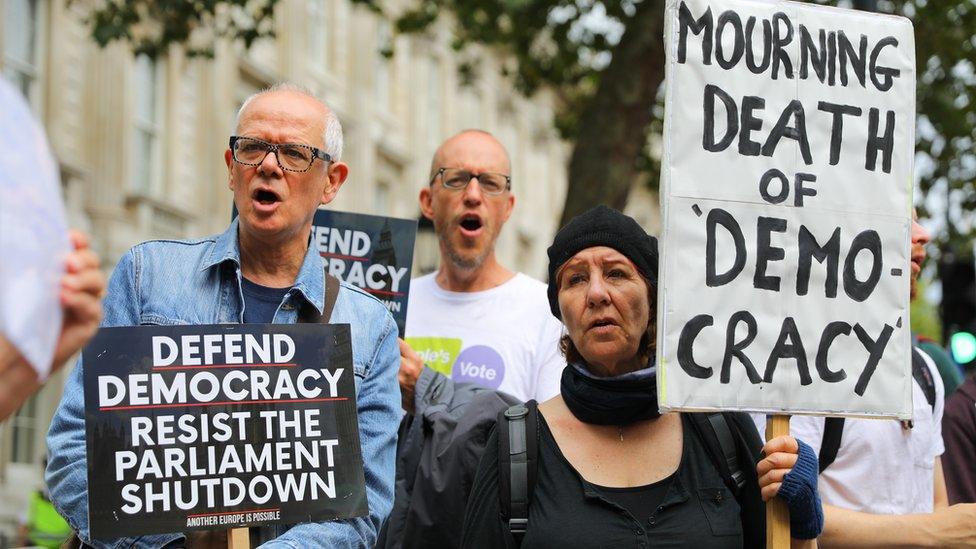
x: 474, y: 320
x: 485, y: 333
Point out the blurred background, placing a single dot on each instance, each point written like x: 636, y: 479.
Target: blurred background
x: 138, y: 98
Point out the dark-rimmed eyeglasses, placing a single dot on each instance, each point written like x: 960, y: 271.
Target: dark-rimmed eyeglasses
x: 492, y: 184
x: 292, y: 157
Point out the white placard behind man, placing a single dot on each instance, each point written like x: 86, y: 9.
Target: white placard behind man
x: 789, y: 143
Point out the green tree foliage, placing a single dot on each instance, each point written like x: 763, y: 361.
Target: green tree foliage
x: 604, y: 60
x: 151, y: 26
x: 925, y: 315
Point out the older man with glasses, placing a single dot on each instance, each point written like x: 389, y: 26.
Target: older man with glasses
x: 485, y: 333
x: 282, y: 164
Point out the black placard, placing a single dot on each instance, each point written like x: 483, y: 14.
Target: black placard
x: 257, y: 420
x: 372, y: 252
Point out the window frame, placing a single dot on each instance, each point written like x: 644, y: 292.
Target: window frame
x: 153, y: 129
x: 32, y: 69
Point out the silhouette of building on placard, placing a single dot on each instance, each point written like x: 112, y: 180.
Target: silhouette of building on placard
x: 385, y: 254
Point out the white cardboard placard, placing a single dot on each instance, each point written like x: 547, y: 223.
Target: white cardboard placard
x: 33, y: 235
x: 786, y: 199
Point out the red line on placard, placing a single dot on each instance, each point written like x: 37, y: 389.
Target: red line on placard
x: 242, y: 402
x: 234, y: 512
x: 206, y: 366
x: 340, y: 256
x: 383, y: 292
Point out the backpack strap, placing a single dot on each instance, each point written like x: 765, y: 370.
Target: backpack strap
x: 714, y: 430
x: 308, y: 313
x: 518, y: 449
x: 833, y: 431
x: 720, y: 424
x: 923, y: 376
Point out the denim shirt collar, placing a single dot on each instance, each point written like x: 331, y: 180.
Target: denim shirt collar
x: 311, y: 277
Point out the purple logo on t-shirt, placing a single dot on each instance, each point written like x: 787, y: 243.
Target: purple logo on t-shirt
x: 480, y: 365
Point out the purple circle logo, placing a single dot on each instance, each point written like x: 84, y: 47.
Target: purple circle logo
x: 480, y: 365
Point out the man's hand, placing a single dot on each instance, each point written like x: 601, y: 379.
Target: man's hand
x: 410, y: 367
x: 82, y: 287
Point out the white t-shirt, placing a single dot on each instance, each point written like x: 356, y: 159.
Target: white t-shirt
x: 504, y: 338
x: 881, y: 467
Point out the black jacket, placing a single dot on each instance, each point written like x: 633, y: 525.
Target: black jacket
x: 438, y: 451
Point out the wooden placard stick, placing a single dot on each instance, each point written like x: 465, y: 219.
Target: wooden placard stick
x: 777, y: 515
x: 240, y: 538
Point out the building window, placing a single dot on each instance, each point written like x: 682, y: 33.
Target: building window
x: 384, y: 80
x: 317, y: 34
x: 471, y: 107
x: 145, y: 165
x: 426, y: 251
x: 382, y: 202
x: 434, y: 86
x: 20, y: 57
x: 24, y: 426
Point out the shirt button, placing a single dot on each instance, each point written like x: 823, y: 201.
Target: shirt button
x: 718, y: 497
x: 639, y: 532
x: 652, y: 522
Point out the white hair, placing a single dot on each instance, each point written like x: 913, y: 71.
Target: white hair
x: 331, y: 135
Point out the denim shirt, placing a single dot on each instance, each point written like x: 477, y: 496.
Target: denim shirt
x: 170, y: 282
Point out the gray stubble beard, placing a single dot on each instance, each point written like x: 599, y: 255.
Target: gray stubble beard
x: 458, y: 260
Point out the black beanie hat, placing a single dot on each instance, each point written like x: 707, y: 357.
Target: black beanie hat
x: 601, y: 226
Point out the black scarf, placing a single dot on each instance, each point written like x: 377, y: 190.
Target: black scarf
x: 618, y: 400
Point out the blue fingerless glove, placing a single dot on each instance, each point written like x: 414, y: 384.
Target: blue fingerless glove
x: 799, y: 491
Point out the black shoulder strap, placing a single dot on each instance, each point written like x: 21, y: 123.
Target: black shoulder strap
x: 833, y: 431
x: 310, y: 315
x: 331, y: 294
x: 720, y: 424
x: 517, y: 462
x: 713, y: 429
x: 923, y: 376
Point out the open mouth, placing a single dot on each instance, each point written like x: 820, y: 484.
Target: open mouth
x: 265, y: 196
x: 471, y: 222
x: 918, y: 259
x: 603, y: 322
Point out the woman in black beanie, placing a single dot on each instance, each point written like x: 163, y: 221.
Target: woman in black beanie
x: 608, y: 469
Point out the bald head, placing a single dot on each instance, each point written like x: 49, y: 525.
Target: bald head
x: 331, y: 128
x: 471, y: 147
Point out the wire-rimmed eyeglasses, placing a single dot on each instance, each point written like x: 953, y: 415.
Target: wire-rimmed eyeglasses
x: 491, y: 183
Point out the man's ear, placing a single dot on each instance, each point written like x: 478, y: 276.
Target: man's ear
x: 336, y: 176
x: 426, y: 198
x: 229, y: 160
x: 510, y: 205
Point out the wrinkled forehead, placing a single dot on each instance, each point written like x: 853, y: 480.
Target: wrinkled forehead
x: 475, y: 152
x: 284, y: 118
x: 596, y: 256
